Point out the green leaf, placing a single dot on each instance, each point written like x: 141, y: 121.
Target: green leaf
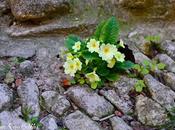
x: 89, y: 56
x: 161, y: 66
x: 124, y: 65
x: 112, y: 77
x: 94, y: 85
x: 144, y: 71
x: 99, y: 30
x: 137, y: 67
x: 70, y: 41
x: 139, y: 86
x: 146, y: 63
x: 110, y: 31
x: 102, y: 70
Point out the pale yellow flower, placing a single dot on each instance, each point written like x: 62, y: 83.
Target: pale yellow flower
x: 107, y: 51
x: 93, y: 45
x: 77, y: 46
x: 111, y: 63
x: 120, y: 57
x: 78, y: 64
x: 92, y: 77
x: 121, y: 43
x: 70, y: 67
x: 69, y: 56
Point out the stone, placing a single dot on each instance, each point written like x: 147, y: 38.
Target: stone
x: 6, y: 97
x: 24, y: 50
x: 169, y: 48
x: 49, y: 123
x: 31, y: 9
x: 10, y: 121
x: 160, y: 93
x: 55, y: 102
x: 120, y: 102
x: 170, y: 63
x: 150, y: 112
x: 29, y: 95
x: 26, y: 68
x: 89, y: 101
x: 140, y: 57
x: 64, y: 25
x: 3, y: 6
x: 124, y: 85
x: 119, y: 124
x: 79, y: 121
x: 169, y: 79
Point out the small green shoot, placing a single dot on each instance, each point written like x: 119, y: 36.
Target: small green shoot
x: 139, y: 86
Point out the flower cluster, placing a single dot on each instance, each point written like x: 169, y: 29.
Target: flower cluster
x: 97, y: 59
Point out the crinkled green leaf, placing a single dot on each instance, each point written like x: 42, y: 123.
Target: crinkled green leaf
x: 89, y: 56
x: 99, y: 30
x: 139, y: 86
x: 110, y: 31
x: 161, y: 66
x: 102, y: 70
x: 112, y: 77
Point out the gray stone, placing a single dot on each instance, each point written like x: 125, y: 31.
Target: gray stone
x: 31, y: 9
x: 119, y: 124
x: 79, y: 121
x: 170, y: 63
x: 29, y: 96
x: 120, y: 102
x: 64, y: 25
x: 169, y: 79
x: 149, y: 112
x: 3, y: 7
x: 49, y: 123
x: 160, y: 93
x: 55, y: 103
x: 169, y: 48
x: 140, y: 57
x: 25, y: 49
x: 89, y: 101
x: 124, y: 85
x: 26, y: 68
x: 6, y: 97
x: 10, y: 121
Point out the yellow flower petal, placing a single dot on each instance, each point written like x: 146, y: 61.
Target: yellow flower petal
x: 77, y: 46
x: 93, y: 45
x: 92, y: 77
x: 78, y: 64
x: 69, y: 56
x: 120, y: 57
x: 70, y: 67
x: 107, y: 51
x: 111, y: 63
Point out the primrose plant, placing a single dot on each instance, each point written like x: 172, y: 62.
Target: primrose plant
x: 96, y: 60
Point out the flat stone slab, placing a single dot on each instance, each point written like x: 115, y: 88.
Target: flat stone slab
x: 29, y: 95
x: 79, y: 121
x: 6, y: 97
x: 170, y: 63
x: 124, y: 105
x: 169, y: 79
x: 9, y: 121
x: 149, y: 112
x: 64, y: 25
x: 55, y: 102
x: 89, y: 101
x: 124, y: 85
x: 119, y: 124
x: 160, y: 93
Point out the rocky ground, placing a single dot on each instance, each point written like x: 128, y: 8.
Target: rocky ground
x: 31, y: 72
